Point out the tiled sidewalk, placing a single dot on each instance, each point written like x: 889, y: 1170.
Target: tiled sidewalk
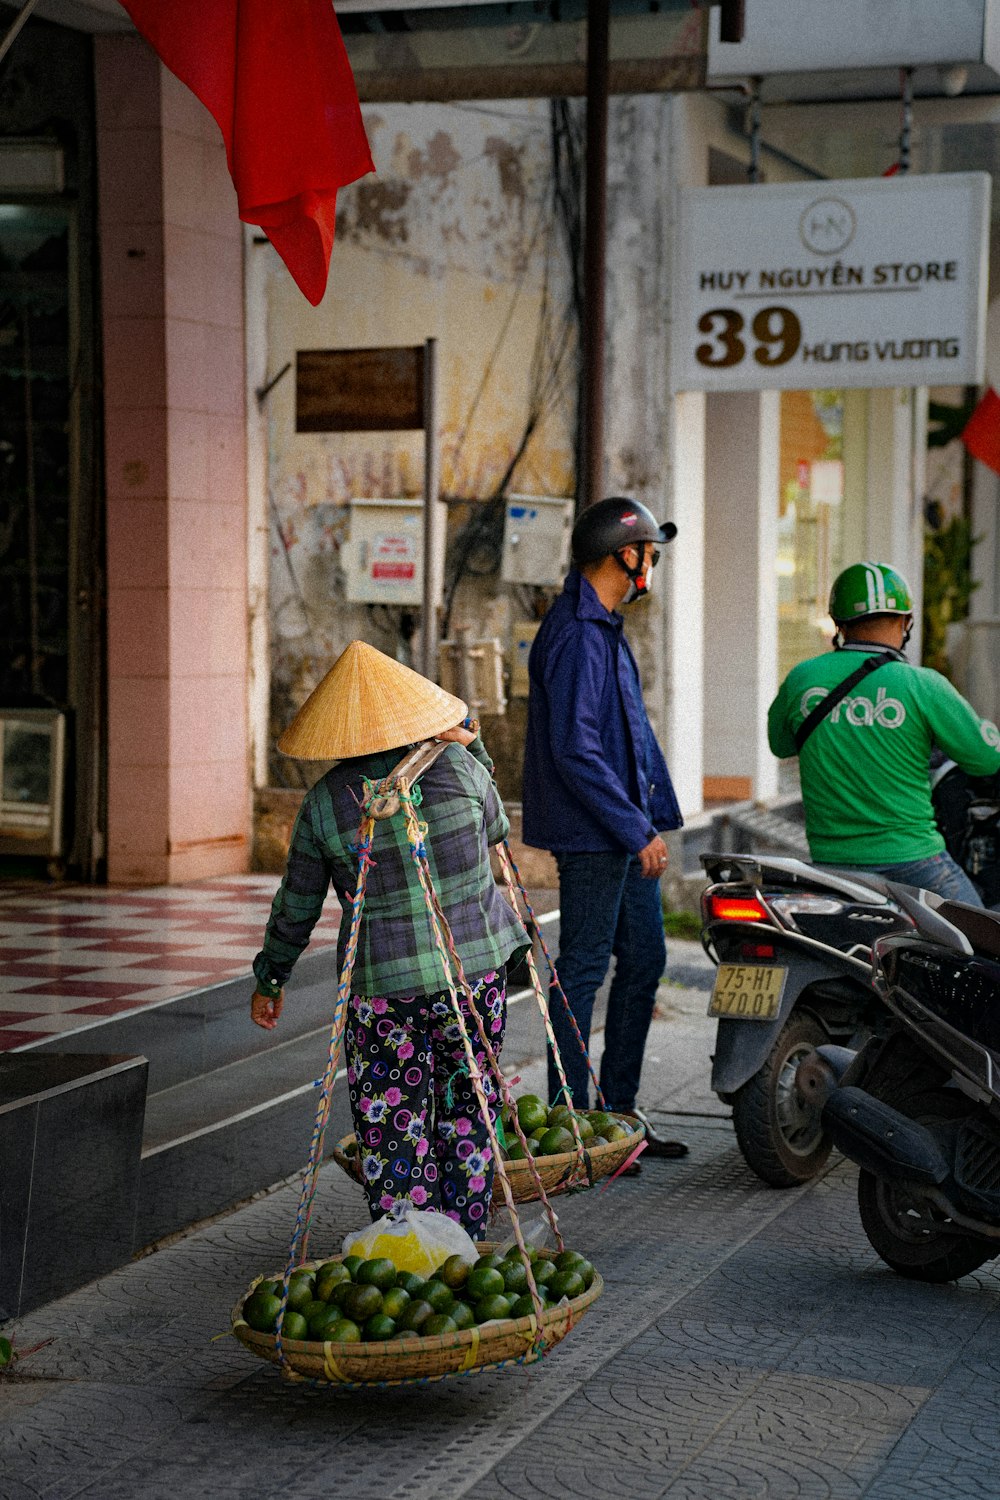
x: 78, y: 955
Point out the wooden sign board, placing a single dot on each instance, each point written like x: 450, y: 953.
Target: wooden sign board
x: 359, y: 390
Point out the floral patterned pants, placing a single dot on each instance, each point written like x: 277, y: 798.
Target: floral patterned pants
x: 420, y: 1134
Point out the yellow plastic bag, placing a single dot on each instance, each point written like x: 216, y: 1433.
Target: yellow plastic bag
x: 414, y: 1239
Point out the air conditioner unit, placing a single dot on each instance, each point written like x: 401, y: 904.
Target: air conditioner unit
x: 32, y: 777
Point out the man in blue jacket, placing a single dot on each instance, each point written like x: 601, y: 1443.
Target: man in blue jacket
x: 597, y: 793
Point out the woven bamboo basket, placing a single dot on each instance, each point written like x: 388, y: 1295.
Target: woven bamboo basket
x: 488, y: 1346
x: 557, y: 1173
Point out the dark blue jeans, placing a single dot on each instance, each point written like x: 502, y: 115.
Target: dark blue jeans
x: 938, y: 873
x: 606, y: 909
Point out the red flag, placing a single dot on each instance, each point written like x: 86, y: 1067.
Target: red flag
x: 275, y: 77
x: 981, y: 434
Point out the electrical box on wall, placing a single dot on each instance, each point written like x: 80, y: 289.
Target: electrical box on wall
x: 473, y: 671
x: 536, y: 533
x: 384, y: 558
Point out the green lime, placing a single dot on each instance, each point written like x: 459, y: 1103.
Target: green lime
x: 536, y: 1136
x: 440, y: 1297
x: 273, y: 1287
x: 584, y: 1126
x: 600, y: 1120
x: 410, y: 1282
x: 569, y: 1260
x: 404, y: 1333
x: 616, y: 1133
x: 260, y: 1311
x: 556, y: 1140
x: 559, y: 1114
x: 380, y: 1273
x: 330, y: 1276
x: 320, y: 1322
x: 514, y: 1253
x: 438, y: 1323
x: 586, y: 1271
x: 352, y: 1262
x: 484, y: 1281
x: 462, y: 1315
x: 332, y: 1268
x: 544, y: 1271
x: 393, y: 1301
x: 416, y: 1315
x: 531, y: 1112
x: 515, y: 1277
x: 566, y: 1284
x: 523, y: 1307
x: 491, y: 1261
x: 344, y: 1332
x: 313, y: 1308
x: 454, y: 1272
x: 341, y: 1290
x: 599, y: 1140
x: 295, y: 1327
x: 516, y: 1152
x: 378, y: 1329
x: 362, y: 1303
x: 488, y: 1308
x: 535, y: 1147
x: 300, y: 1291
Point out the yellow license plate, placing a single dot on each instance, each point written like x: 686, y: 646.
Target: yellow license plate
x: 747, y: 992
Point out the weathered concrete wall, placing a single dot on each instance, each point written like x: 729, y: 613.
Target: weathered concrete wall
x: 454, y: 239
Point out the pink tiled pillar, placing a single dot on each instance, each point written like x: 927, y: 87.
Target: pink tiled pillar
x: 179, y: 799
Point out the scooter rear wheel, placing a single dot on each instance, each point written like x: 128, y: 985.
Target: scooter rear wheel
x: 913, y: 1237
x: 780, y: 1134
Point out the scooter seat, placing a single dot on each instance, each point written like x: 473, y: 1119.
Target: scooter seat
x: 982, y: 928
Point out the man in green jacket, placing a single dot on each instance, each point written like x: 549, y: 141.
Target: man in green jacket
x: 865, y: 764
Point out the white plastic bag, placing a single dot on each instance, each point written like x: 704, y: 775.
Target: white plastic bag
x: 414, y: 1239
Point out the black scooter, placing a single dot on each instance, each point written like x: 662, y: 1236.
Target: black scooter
x: 918, y: 1108
x: 793, y: 949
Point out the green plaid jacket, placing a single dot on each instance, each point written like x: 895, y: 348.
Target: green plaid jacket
x: 396, y: 954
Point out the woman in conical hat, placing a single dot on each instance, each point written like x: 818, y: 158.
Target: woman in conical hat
x: 416, y: 1118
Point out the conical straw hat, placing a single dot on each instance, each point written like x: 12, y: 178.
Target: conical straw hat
x: 368, y: 702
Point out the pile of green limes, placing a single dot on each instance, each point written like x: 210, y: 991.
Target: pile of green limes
x: 549, y: 1132
x: 354, y: 1301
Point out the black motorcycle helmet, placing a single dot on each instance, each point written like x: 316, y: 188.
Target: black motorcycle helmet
x: 607, y: 527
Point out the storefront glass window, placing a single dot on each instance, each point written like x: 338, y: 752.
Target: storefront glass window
x: 811, y: 524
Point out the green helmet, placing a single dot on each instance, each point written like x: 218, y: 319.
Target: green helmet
x: 869, y: 588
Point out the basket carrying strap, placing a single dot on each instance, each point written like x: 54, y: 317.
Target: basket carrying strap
x: 826, y: 705
x: 385, y: 804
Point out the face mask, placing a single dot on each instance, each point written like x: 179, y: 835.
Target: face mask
x: 640, y: 578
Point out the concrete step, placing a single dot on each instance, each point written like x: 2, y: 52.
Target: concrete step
x: 214, y: 1139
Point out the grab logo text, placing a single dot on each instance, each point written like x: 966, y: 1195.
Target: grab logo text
x: 860, y: 711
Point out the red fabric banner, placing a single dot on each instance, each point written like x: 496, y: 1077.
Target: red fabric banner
x: 275, y: 77
x: 981, y: 434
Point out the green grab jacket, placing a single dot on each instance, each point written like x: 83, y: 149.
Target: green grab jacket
x: 865, y: 768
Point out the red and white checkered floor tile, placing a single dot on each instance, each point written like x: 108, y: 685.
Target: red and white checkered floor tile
x: 73, y: 956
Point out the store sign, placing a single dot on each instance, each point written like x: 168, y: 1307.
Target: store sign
x: 866, y: 282
x: 813, y: 35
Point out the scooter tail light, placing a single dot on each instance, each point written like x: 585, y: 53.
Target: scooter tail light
x: 756, y: 950
x: 737, y: 909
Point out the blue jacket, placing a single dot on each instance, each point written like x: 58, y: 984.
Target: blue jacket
x: 594, y: 776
